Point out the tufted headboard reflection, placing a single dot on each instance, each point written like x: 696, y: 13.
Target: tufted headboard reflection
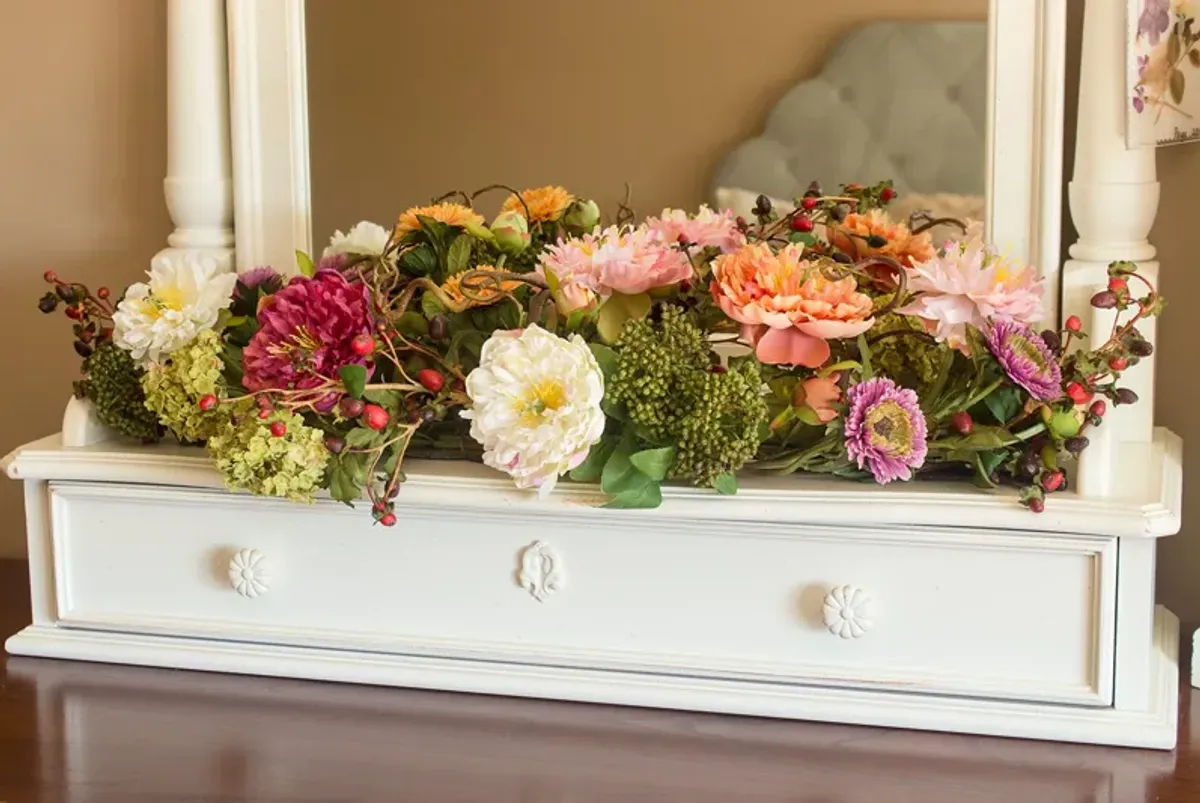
x: 905, y: 101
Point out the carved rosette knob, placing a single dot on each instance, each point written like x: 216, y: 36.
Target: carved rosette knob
x: 849, y: 612
x: 248, y: 573
x: 541, y: 572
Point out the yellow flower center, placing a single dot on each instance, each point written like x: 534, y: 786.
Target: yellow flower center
x: 548, y: 394
x: 891, y: 431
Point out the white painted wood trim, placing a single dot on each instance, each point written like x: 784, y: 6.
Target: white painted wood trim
x: 1153, y: 726
x: 1026, y: 78
x: 269, y: 97
x: 1150, y: 508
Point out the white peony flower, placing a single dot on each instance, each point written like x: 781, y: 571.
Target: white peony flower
x: 182, y: 299
x: 364, y: 238
x: 536, y: 405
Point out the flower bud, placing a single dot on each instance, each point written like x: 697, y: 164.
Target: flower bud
x: 1141, y: 348
x: 582, y: 215
x: 1076, y: 445
x: 511, y: 231
x: 1052, y: 340
x: 1105, y: 299
x: 762, y: 205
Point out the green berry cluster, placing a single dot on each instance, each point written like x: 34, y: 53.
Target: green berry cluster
x: 114, y: 386
x: 911, y: 360
x: 274, y: 456
x: 674, y: 394
x: 174, y: 389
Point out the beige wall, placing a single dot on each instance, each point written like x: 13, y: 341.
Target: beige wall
x: 656, y: 102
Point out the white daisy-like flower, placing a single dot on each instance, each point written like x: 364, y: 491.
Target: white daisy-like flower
x: 535, y: 405
x: 365, y: 238
x: 183, y: 298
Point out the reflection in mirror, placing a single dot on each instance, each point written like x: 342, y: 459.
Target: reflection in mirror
x: 685, y: 108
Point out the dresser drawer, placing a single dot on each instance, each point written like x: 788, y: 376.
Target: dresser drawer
x: 993, y: 614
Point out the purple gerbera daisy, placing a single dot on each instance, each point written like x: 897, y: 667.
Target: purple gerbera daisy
x: 885, y: 429
x: 1026, y: 359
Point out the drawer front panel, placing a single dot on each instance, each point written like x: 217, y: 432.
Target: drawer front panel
x: 985, y: 614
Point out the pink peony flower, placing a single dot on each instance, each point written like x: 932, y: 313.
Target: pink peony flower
x: 305, y: 336
x: 968, y: 286
x: 707, y: 229
x: 617, y: 260
x: 788, y: 309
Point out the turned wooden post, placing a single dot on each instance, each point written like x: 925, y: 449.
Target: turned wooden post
x: 1113, y: 200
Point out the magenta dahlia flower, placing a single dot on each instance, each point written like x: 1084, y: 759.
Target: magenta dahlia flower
x: 885, y: 429
x: 1026, y: 359
x: 306, y: 334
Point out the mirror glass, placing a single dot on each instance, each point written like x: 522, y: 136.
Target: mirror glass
x: 702, y: 101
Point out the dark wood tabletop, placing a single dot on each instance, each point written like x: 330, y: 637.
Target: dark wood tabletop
x: 93, y: 733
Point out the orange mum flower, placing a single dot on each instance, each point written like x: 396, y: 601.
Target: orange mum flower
x: 545, y: 203
x: 901, y: 244
x: 448, y: 213
x: 485, y: 293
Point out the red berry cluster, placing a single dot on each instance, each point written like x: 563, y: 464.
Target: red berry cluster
x: 92, y: 315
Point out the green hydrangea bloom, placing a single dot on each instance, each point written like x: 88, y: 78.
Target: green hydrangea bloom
x: 174, y: 389
x: 666, y: 382
x: 251, y: 458
x: 913, y: 362
x: 114, y: 386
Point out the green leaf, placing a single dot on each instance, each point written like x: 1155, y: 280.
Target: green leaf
x: 340, y: 477
x: 363, y: 438
x: 412, y: 324
x: 844, y: 365
x: 983, y: 437
x: 808, y: 415
x: 1174, y: 48
x: 619, y: 309
x: 646, y: 496
x: 605, y: 357
x: 388, y: 399
x: 575, y: 319
x: 439, y: 233
x: 305, y: 264
x: 726, y: 483
x: 864, y: 353
x: 1004, y: 404
x: 1177, y: 84
x: 1194, y: 57
x: 654, y: 463
x: 593, y: 465
x: 354, y: 377
x: 430, y: 306
x: 619, y: 474
x: 552, y: 281
x: 419, y: 261
x: 802, y: 237
x: 458, y: 257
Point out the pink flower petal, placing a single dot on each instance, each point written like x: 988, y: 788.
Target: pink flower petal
x: 791, y: 347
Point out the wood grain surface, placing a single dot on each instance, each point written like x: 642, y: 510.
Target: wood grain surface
x: 91, y: 733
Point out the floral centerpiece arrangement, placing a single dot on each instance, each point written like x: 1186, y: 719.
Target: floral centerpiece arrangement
x: 685, y: 348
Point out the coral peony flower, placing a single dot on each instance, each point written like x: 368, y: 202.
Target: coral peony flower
x: 853, y: 236
x: 787, y: 307
x: 821, y: 394
x: 545, y: 203
x: 183, y: 298
x: 616, y: 260
x: 448, y: 213
x: 1026, y: 359
x: 707, y: 229
x: 486, y: 293
x: 306, y: 334
x: 885, y: 430
x: 535, y: 405
x: 968, y: 286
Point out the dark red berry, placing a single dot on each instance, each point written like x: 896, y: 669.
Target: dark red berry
x: 83, y: 349
x: 1141, y: 348
x: 74, y: 313
x: 1099, y: 408
x: 887, y: 194
x: 1077, y: 444
x: 1037, y: 505
x: 388, y: 519
x: 1118, y: 363
x: 428, y: 415
x: 103, y: 292
x: 278, y: 429
x: 1105, y: 299
x: 809, y: 203
x: 1126, y: 396
x: 381, y: 327
x: 351, y: 407
x: 264, y: 414
x: 334, y: 444
x: 380, y: 506
x: 438, y: 328
x: 876, y: 241
x: 1074, y: 324
x: 375, y: 416
x: 48, y: 303
x: 394, y: 491
x: 458, y: 386
x: 363, y: 345
x: 802, y: 223
x: 431, y: 380
x: 1118, y: 285
x: 741, y: 222
x: 1051, y: 481
x: 208, y: 402
x: 962, y: 423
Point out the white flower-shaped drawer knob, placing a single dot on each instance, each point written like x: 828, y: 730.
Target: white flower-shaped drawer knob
x: 849, y: 612
x: 248, y: 573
